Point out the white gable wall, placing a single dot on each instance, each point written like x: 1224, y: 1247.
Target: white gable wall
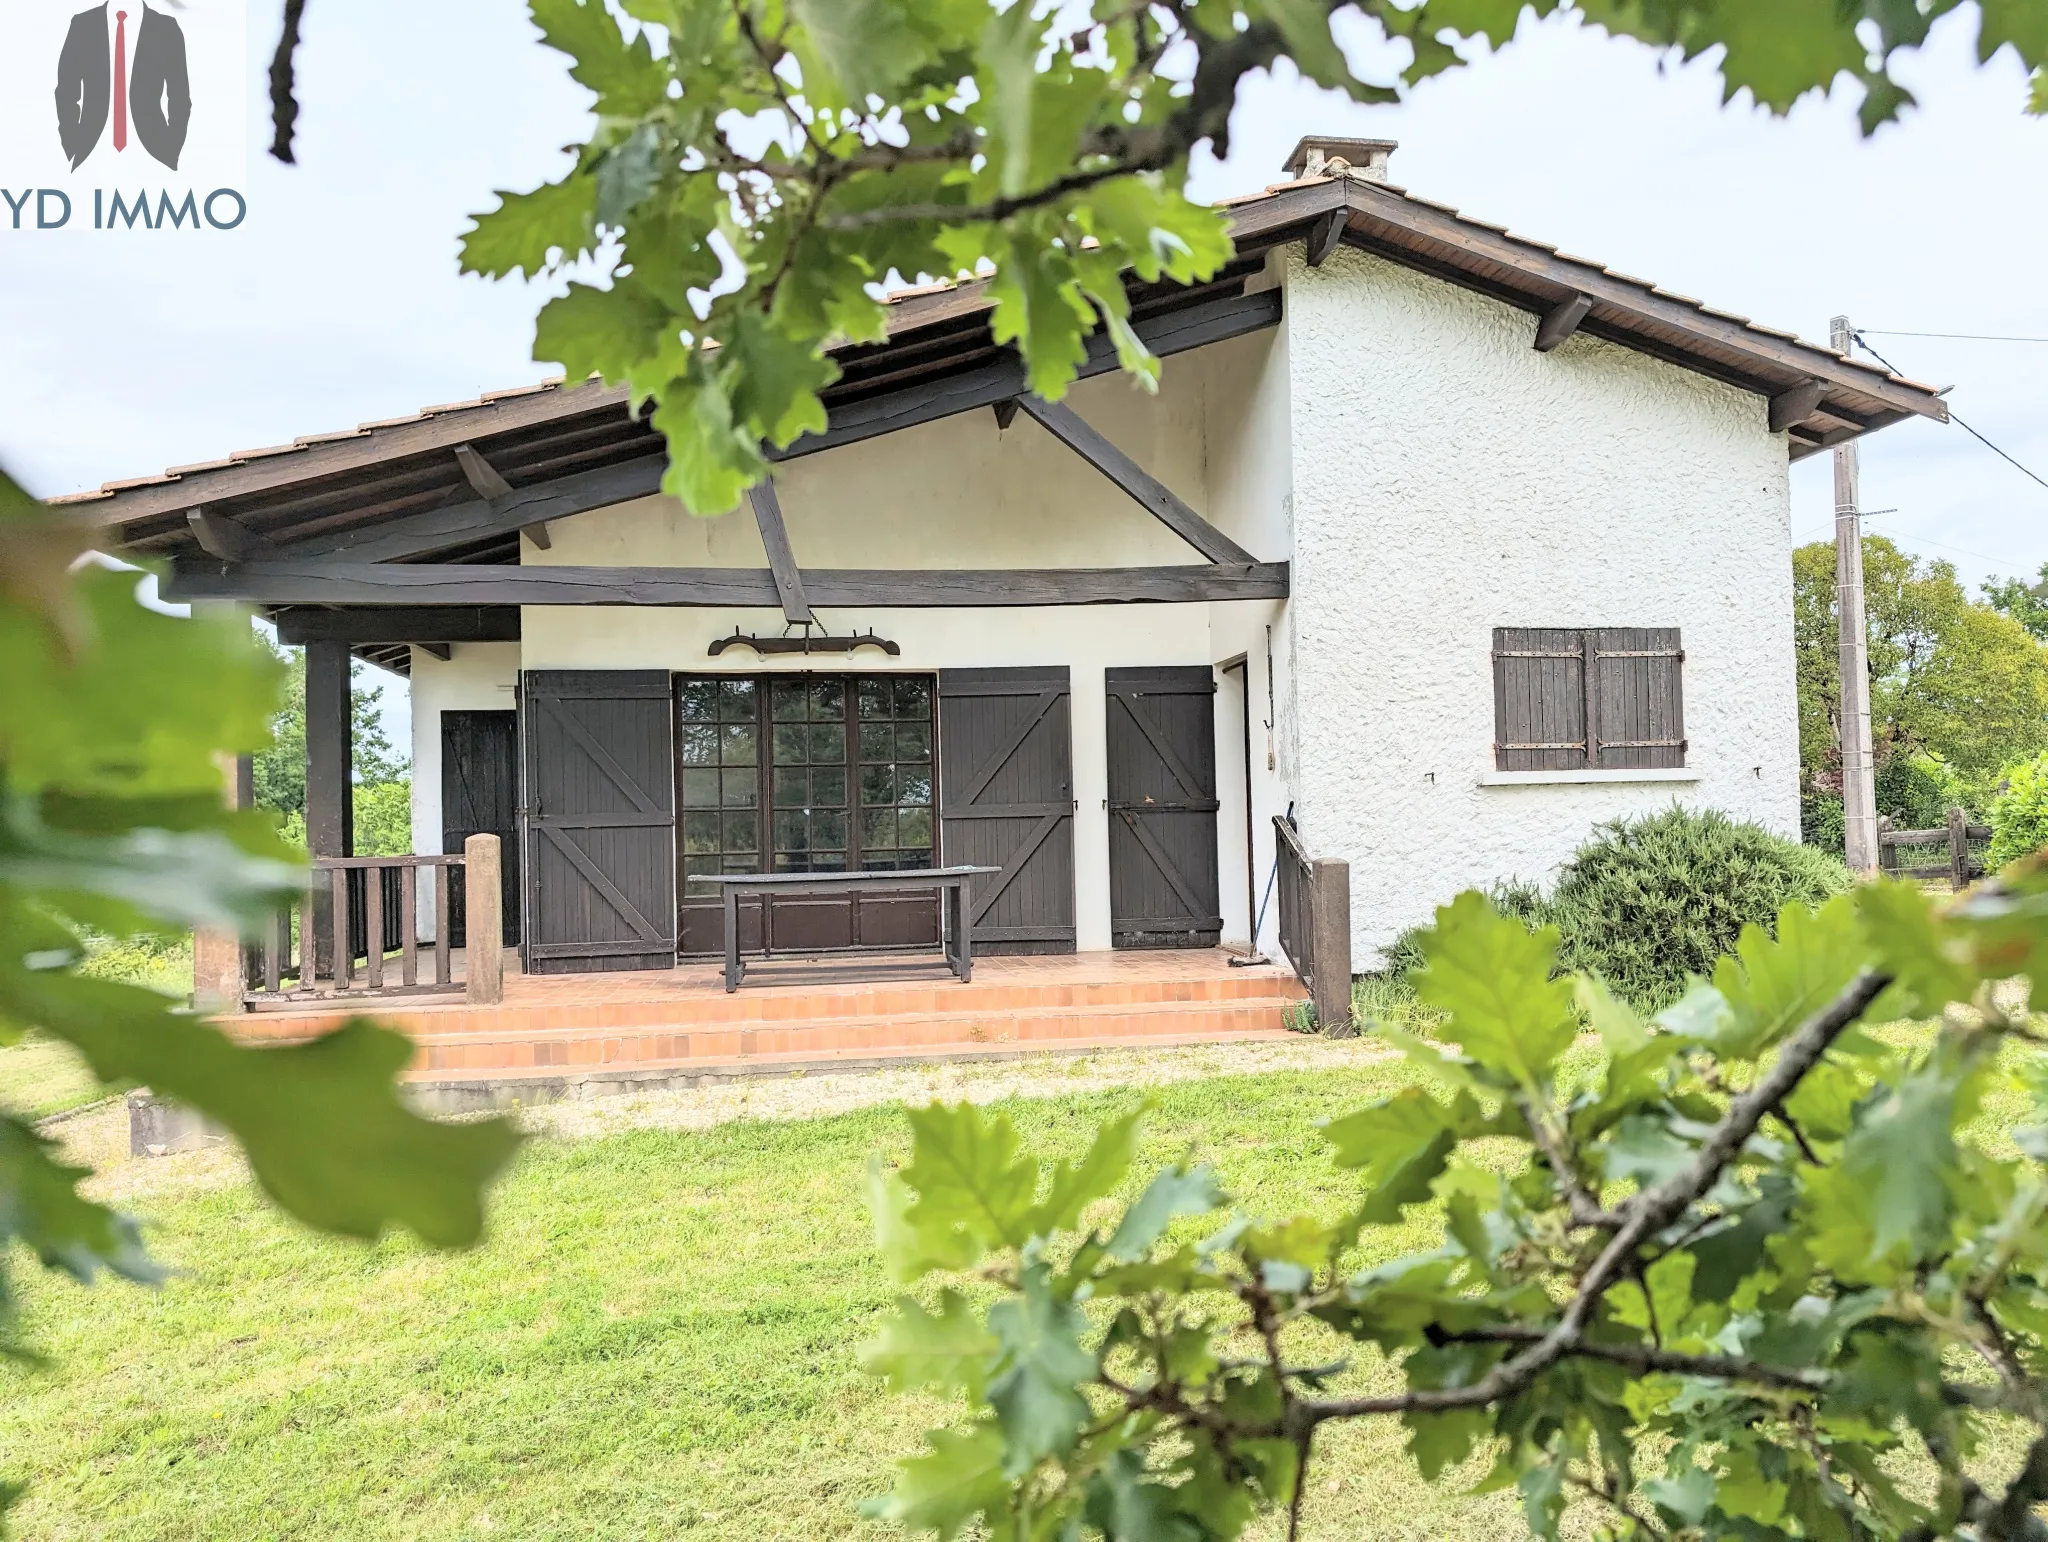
x: 1449, y: 479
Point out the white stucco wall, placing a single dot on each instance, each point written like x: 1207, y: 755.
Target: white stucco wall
x: 1449, y: 479
x: 476, y: 676
x: 962, y: 493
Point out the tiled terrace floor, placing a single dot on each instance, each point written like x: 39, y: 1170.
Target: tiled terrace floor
x: 795, y: 1012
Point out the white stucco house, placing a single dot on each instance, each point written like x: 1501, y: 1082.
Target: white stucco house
x: 1446, y: 542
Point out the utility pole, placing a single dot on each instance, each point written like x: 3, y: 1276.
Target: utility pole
x: 1859, y: 780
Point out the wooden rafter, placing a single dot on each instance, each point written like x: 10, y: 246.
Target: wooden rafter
x: 789, y: 583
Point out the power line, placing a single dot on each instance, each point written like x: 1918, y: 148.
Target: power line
x: 1959, y: 423
x: 1966, y: 337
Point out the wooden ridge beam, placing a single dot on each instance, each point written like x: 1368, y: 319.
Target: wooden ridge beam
x: 1152, y: 495
x: 789, y: 583
x: 471, y: 584
x: 398, y: 624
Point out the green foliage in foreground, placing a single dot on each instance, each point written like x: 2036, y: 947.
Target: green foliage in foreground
x: 111, y: 823
x: 2019, y: 815
x: 1743, y: 1271
x: 759, y: 171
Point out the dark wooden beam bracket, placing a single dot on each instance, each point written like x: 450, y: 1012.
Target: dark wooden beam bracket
x: 1324, y: 237
x: 485, y: 481
x: 1562, y: 321
x: 1793, y: 407
x: 1153, y: 495
x: 219, y: 536
x: 1006, y: 412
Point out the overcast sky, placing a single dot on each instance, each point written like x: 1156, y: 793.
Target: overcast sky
x: 338, y: 300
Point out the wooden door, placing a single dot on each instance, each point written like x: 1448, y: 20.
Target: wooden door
x: 480, y: 796
x: 1163, y: 886
x: 805, y: 773
x: 600, y: 820
x: 1006, y: 800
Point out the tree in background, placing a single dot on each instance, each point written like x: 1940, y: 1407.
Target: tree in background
x: 381, y: 775
x: 2026, y: 603
x: 1958, y: 688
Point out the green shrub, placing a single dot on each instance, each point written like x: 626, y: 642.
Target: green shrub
x: 2019, y: 814
x: 1645, y: 903
x: 1918, y: 790
x: 1648, y: 902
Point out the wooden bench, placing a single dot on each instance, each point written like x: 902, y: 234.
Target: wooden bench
x: 954, y: 885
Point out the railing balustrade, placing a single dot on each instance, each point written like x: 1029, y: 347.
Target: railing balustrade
x: 355, y: 932
x: 1315, y: 924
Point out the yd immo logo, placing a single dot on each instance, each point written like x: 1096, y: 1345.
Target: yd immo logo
x: 133, y: 115
x: 152, y: 88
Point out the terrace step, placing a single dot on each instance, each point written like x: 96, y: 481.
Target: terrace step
x: 783, y: 1007
x: 688, y: 1043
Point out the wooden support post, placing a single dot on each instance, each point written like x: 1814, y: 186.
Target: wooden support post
x: 1958, y: 850
x: 330, y: 812
x: 482, y: 927
x: 1331, y: 949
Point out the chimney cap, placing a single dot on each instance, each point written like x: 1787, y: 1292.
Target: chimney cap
x: 1321, y: 156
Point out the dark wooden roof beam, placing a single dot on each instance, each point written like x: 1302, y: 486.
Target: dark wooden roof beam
x: 402, y: 584
x: 397, y: 624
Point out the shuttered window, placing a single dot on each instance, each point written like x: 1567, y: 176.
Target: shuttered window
x: 1587, y: 698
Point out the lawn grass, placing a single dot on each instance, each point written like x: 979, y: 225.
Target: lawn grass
x: 657, y: 1340
x: 40, y: 1077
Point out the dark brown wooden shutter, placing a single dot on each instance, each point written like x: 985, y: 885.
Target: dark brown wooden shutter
x: 1006, y: 790
x: 480, y: 796
x: 1640, y: 721
x: 1161, y: 742
x: 1539, y: 699
x: 600, y: 789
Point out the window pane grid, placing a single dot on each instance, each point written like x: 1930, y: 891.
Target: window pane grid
x: 807, y: 773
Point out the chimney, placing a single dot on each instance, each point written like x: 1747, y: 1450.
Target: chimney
x: 1320, y: 157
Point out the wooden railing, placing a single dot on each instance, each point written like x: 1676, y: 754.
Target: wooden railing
x: 355, y: 931
x: 1958, y: 835
x: 1315, y: 924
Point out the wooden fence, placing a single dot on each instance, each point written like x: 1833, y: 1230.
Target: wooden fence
x: 1898, y: 849
x: 1315, y: 925
x: 355, y: 931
